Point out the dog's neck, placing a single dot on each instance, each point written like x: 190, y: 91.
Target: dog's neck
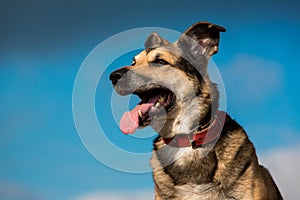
x: 192, y: 113
x: 200, y: 136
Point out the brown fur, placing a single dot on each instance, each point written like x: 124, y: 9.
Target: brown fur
x: 228, y: 169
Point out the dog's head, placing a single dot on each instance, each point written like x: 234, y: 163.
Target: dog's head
x: 171, y: 80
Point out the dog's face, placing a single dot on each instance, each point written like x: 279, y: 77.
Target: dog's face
x: 171, y: 80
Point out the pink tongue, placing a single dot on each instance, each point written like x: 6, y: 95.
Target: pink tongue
x: 130, y: 119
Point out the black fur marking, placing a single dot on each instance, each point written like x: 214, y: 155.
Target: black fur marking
x: 148, y: 50
x: 187, y: 67
x: 244, y: 169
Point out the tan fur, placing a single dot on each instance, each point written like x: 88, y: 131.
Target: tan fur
x: 227, y: 169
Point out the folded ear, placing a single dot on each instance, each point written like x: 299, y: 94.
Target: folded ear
x: 206, y: 34
x: 155, y: 40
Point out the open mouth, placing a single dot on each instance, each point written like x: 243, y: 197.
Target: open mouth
x: 155, y: 103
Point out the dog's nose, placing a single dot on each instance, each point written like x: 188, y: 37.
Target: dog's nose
x: 116, y: 75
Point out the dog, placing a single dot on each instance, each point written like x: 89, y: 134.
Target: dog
x: 201, y: 152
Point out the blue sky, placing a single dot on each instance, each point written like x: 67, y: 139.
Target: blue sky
x: 43, y: 45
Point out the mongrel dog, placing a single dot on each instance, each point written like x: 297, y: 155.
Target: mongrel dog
x: 216, y: 159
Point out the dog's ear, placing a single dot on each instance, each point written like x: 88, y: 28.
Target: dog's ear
x: 204, y: 33
x: 155, y: 40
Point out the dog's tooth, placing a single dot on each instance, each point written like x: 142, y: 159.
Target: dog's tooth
x: 161, y: 99
x: 140, y: 113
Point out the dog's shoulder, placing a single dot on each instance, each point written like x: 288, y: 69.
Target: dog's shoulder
x: 234, y: 141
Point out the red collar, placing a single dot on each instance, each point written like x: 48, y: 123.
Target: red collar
x: 202, y: 137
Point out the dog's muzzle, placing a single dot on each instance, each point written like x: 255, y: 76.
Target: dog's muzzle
x: 156, y: 100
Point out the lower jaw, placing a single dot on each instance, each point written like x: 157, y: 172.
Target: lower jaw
x: 165, y: 126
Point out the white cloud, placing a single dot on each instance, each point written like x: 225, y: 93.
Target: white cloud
x: 117, y: 195
x: 252, y: 78
x: 271, y: 135
x: 284, y: 165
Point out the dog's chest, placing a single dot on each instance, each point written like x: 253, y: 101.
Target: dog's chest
x: 186, y: 165
x: 195, y: 166
x: 189, y: 176
x: 195, y: 192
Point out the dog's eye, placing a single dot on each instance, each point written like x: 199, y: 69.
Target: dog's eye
x: 133, y: 62
x: 160, y: 62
